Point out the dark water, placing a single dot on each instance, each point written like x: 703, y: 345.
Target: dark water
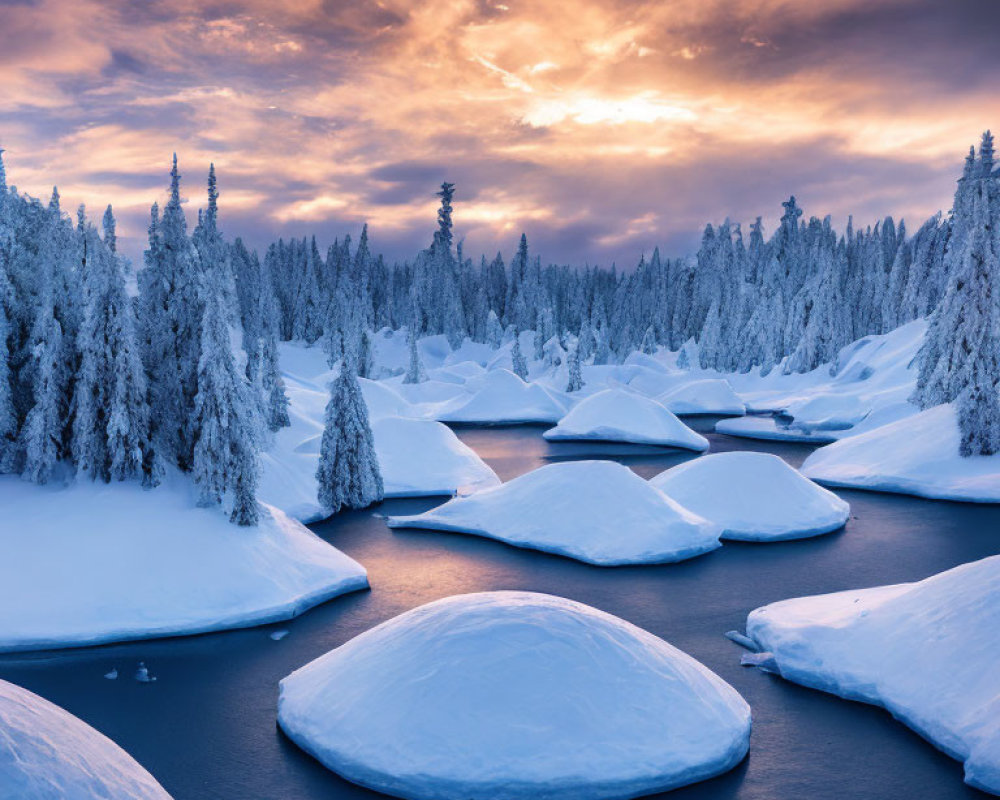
x: 206, y: 728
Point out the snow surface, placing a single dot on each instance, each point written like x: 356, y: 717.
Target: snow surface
x: 707, y: 396
x: 926, y: 651
x: 621, y: 415
x: 504, y: 399
x: 753, y: 497
x: 771, y: 428
x: 514, y: 696
x: 421, y: 457
x: 96, y: 563
x: 915, y: 455
x: 48, y: 754
x: 599, y: 512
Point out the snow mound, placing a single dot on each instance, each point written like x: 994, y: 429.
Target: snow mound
x: 599, y: 512
x: 619, y: 415
x: 382, y: 400
x: 514, y: 696
x: 97, y: 563
x: 708, y: 396
x: 915, y: 455
x: 503, y: 398
x: 753, y: 497
x: 926, y: 651
x: 422, y: 457
x: 48, y: 754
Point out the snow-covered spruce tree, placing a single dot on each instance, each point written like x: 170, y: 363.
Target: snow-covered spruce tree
x: 969, y: 309
x: 684, y: 357
x: 8, y: 411
x: 225, y: 421
x: 517, y: 361
x: 648, y: 345
x: 111, y: 421
x: 708, y: 343
x: 41, y: 436
x: 348, y: 474
x: 575, y: 382
x: 171, y: 314
x: 494, y: 331
x: 415, y: 373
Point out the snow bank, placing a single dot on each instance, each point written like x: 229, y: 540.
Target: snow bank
x: 98, y: 563
x: 753, y: 497
x: 620, y: 415
x: 48, y: 754
x: 916, y: 455
x: 503, y: 398
x: 926, y: 651
x: 708, y: 396
x: 514, y: 696
x: 595, y: 511
x: 422, y: 457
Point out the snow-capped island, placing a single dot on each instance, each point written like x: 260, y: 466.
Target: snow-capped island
x: 514, y: 696
x: 599, y: 512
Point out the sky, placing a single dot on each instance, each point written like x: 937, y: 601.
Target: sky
x: 601, y: 128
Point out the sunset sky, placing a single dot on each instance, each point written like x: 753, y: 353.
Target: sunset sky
x: 599, y: 127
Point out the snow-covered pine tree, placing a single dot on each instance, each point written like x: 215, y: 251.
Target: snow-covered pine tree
x: 969, y: 309
x: 575, y: 382
x: 648, y: 345
x: 111, y: 423
x: 415, y: 373
x: 494, y: 331
x: 348, y: 474
x: 517, y: 361
x: 8, y: 411
x: 225, y: 420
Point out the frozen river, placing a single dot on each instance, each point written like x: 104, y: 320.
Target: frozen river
x: 206, y: 727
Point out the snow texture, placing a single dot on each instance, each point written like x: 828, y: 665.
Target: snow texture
x: 620, y: 415
x: 925, y: 651
x: 505, y: 399
x: 97, y: 563
x: 48, y: 754
x: 753, y: 497
x: 599, y: 512
x: 915, y: 455
x: 514, y: 696
x: 708, y: 396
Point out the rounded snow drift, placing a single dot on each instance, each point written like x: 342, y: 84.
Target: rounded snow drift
x: 621, y: 415
x: 708, y: 396
x: 511, y: 696
x: 504, y: 399
x: 48, y: 754
x: 754, y: 497
x: 599, y: 512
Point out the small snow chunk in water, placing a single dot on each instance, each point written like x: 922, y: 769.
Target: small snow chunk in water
x: 763, y: 661
x: 742, y: 640
x: 113, y: 675
x: 278, y: 635
x: 142, y: 674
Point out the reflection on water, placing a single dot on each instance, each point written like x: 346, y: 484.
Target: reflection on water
x: 206, y: 727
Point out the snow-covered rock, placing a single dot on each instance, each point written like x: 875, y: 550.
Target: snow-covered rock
x: 48, y: 754
x: 707, y: 396
x: 595, y: 511
x: 915, y: 455
x: 96, y: 563
x: 514, y: 696
x: 926, y: 651
x: 827, y: 412
x: 753, y: 497
x: 503, y: 398
x: 620, y: 415
x: 421, y: 457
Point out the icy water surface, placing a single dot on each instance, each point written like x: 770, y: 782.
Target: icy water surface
x: 206, y: 726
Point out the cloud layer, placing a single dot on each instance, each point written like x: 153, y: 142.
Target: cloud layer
x: 602, y: 127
